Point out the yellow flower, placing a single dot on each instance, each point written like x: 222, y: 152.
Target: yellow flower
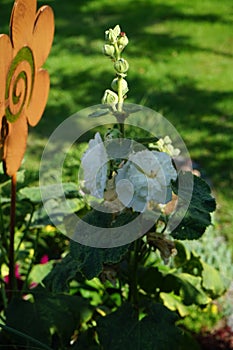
x: 24, y: 84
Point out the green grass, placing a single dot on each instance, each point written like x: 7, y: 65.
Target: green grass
x: 180, y: 56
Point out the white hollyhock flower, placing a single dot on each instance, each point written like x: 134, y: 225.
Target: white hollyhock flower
x: 94, y: 164
x: 145, y: 177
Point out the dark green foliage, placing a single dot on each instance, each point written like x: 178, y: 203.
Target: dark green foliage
x: 46, y: 312
x: 90, y: 260
x: 155, y: 331
x: 63, y: 272
x: 197, y: 218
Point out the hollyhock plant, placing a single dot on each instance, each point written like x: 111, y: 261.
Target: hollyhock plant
x: 94, y: 163
x: 148, y: 176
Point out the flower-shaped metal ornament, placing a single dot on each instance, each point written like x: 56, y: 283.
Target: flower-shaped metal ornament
x: 24, y: 84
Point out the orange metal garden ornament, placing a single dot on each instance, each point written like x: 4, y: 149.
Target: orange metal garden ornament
x: 24, y: 85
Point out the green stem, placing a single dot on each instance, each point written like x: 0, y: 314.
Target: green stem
x: 1, y: 220
x: 26, y: 229
x: 12, y: 280
x: 122, y: 129
x: 3, y: 293
x: 31, y: 264
x: 3, y: 236
x: 117, y: 52
x: 133, y: 274
x: 120, y: 95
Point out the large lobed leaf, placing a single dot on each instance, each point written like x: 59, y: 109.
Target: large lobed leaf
x: 155, y: 331
x: 186, y: 287
x: 90, y: 260
x: 60, y: 313
x: 197, y: 217
x: 63, y: 272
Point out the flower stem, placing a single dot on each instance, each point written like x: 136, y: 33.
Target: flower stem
x: 117, y: 52
x: 25, y: 285
x: 133, y: 274
x: 12, y: 281
x: 120, y: 94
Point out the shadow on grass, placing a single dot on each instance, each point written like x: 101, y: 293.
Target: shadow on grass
x: 79, y: 31
x: 206, y: 127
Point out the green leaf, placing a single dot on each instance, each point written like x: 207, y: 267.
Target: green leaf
x: 212, y: 281
x: 21, y: 338
x: 131, y: 108
x: 186, y: 286
x: 63, y: 272
x: 183, y: 254
x: 150, y: 279
x: 33, y: 194
x: 39, y: 271
x: 48, y: 313
x: 183, y: 285
x: 193, y: 265
x: 155, y: 331
x: 31, y: 325
x: 90, y: 260
x: 59, y: 209
x: 98, y: 113
x: 197, y: 218
x: 64, y: 313
x: 173, y: 303
x: 86, y: 340
x: 6, y: 180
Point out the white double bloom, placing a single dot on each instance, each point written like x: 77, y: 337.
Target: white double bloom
x: 145, y: 177
x: 94, y: 163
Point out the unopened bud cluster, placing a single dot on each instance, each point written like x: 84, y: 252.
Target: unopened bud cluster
x: 116, y: 41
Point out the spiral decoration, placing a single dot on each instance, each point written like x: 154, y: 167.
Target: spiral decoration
x: 19, y: 84
x: 24, y: 83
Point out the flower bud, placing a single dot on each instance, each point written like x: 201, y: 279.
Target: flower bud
x: 124, y: 83
x: 121, y: 65
x: 111, y: 35
x: 109, y: 50
x: 122, y: 41
x: 109, y: 97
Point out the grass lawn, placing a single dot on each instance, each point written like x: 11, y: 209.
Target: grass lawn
x: 181, y: 59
